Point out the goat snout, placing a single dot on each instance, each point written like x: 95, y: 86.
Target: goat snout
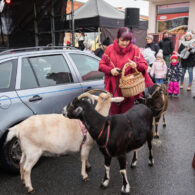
x: 64, y: 111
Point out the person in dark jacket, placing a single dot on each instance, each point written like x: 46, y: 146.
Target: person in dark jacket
x: 150, y: 44
x: 166, y: 44
x: 188, y: 63
x: 100, y: 51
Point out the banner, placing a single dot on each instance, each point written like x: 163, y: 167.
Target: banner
x: 173, y: 17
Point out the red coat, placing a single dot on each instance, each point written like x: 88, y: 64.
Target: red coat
x: 119, y: 57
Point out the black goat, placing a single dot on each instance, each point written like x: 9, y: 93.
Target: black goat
x: 116, y: 135
x: 157, y: 100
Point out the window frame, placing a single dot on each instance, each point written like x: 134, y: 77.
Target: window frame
x: 13, y: 74
x: 19, y: 75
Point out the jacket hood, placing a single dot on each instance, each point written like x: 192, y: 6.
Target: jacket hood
x: 120, y: 50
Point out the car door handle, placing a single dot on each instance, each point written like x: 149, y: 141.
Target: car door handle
x: 35, y: 98
x: 88, y: 88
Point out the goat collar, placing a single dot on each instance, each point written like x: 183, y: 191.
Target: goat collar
x: 107, y: 137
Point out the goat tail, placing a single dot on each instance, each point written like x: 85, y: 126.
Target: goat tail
x: 12, y: 132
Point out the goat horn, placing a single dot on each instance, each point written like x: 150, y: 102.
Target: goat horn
x: 96, y: 90
x: 99, y: 90
x: 87, y: 95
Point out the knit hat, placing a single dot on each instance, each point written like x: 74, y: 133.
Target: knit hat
x: 150, y: 37
x: 174, y: 55
x: 160, y: 53
x: 106, y: 41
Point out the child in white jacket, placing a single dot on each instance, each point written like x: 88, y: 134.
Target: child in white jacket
x: 159, y: 68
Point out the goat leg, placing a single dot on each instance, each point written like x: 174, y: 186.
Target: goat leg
x: 156, y: 135
x: 83, y: 170
x: 106, y: 179
x: 151, y: 159
x: 88, y: 166
x: 125, y: 187
x: 31, y: 159
x: 22, y: 161
x: 164, y: 123
x: 134, y: 160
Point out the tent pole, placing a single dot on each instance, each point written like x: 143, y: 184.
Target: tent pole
x: 99, y: 35
x: 52, y: 19
x: 95, y: 39
x: 36, y: 26
x: 73, y: 27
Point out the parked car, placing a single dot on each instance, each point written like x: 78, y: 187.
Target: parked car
x: 40, y: 81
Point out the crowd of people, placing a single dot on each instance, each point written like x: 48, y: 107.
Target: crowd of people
x: 159, y: 62
x: 165, y: 65
x: 169, y: 65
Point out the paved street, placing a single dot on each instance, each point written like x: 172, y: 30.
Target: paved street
x: 172, y: 173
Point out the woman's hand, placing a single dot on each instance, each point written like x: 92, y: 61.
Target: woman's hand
x: 115, y: 71
x: 132, y: 64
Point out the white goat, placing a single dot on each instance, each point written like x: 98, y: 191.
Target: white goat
x: 55, y: 135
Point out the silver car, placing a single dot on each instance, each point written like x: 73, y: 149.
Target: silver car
x: 40, y: 82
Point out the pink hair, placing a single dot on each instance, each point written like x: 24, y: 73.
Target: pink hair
x: 125, y: 33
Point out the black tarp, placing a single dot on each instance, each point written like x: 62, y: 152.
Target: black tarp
x: 97, y: 13
x: 18, y: 22
x: 139, y: 33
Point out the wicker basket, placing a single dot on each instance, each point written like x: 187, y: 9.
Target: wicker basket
x: 131, y: 84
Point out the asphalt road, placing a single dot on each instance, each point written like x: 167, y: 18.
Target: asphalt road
x: 172, y: 173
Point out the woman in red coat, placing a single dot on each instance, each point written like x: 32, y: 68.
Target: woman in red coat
x: 114, y: 58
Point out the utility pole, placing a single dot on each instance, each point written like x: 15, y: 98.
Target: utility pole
x: 73, y: 27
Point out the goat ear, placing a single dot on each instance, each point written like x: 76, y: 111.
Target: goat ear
x: 117, y: 99
x: 77, y: 111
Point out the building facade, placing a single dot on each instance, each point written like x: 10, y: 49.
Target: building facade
x: 176, y: 16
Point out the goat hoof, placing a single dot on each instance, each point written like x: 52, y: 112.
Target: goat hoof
x: 125, y: 193
x: 86, y: 179
x: 133, y: 166
x: 151, y: 163
x: 156, y: 136
x: 164, y: 125
x: 30, y: 191
x: 103, y: 186
x: 125, y: 190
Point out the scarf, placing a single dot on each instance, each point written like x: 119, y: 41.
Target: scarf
x: 120, y: 50
x: 187, y: 43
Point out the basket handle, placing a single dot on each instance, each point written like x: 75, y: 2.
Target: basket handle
x: 124, y: 68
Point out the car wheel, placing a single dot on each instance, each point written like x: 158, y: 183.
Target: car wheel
x: 10, y: 156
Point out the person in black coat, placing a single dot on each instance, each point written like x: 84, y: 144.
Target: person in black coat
x: 100, y: 51
x: 166, y: 44
x: 150, y: 44
x: 188, y: 63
